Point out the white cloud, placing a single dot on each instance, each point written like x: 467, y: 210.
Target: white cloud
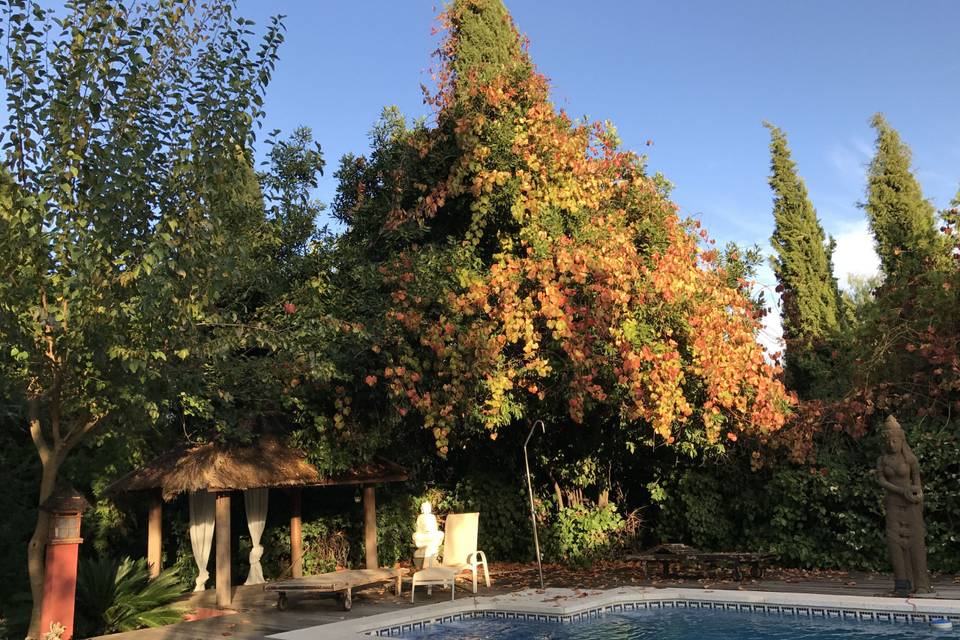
x: 855, y: 254
x: 771, y: 333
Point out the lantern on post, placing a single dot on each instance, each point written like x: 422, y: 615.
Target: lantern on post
x: 66, y: 507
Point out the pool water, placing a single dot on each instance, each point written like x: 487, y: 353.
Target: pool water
x: 680, y: 624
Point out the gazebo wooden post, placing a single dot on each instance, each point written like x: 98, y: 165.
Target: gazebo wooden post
x: 296, y: 535
x: 222, y: 529
x: 155, y: 533
x: 370, y: 526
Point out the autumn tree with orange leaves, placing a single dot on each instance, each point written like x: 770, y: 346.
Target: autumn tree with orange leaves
x: 520, y: 265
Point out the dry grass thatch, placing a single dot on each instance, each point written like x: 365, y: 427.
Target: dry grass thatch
x: 266, y: 463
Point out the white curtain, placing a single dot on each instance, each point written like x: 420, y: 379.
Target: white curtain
x: 255, y: 501
x: 202, y: 511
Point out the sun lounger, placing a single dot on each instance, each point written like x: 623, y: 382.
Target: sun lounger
x: 340, y: 584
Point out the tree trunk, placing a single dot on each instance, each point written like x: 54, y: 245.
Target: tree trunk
x: 604, y: 498
x: 38, y: 541
x: 574, y: 497
x: 558, y: 492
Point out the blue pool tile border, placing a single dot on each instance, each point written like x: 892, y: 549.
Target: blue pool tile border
x: 846, y: 613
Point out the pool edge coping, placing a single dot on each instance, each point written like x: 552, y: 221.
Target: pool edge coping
x: 564, y: 605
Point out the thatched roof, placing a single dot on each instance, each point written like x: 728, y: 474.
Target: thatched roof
x: 66, y: 500
x: 266, y: 463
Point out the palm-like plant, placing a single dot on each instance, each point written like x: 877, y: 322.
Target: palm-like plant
x: 119, y: 595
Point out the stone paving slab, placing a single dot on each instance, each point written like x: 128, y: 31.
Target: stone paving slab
x: 257, y: 616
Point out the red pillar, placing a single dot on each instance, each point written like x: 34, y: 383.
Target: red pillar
x: 60, y: 586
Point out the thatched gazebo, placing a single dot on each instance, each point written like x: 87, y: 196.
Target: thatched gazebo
x: 210, y: 473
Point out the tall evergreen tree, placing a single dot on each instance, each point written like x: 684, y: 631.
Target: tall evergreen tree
x: 901, y: 219
x: 808, y: 291
x: 908, y: 334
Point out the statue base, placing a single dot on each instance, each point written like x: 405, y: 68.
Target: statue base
x: 901, y: 588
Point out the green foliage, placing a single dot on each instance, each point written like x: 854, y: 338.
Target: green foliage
x: 116, y: 595
x: 906, y: 340
x: 15, y: 615
x: 504, y: 529
x: 18, y: 473
x: 326, y: 546
x: 694, y: 508
x: 126, y: 156
x: 154, y: 285
x: 809, y: 296
x: 260, y: 340
x: 487, y: 44
x: 581, y: 534
x: 827, y: 515
x: 395, y: 524
x: 938, y: 448
x: 901, y: 219
x: 178, y: 550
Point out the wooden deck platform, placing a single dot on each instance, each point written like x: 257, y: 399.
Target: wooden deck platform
x: 256, y: 614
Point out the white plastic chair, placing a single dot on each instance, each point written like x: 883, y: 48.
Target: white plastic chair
x: 431, y: 576
x: 460, y: 546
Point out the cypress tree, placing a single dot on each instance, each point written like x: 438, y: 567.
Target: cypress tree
x: 915, y: 305
x: 485, y: 43
x: 810, y: 298
x: 902, y: 221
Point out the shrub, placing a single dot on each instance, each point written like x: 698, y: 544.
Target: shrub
x: 583, y: 533
x: 825, y: 515
x: 396, y: 518
x: 504, y: 530
x: 119, y: 595
x: 326, y: 545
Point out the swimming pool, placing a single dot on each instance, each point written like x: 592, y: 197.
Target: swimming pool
x: 647, y: 612
x: 676, y: 624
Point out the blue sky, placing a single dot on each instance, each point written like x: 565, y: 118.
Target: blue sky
x: 697, y: 78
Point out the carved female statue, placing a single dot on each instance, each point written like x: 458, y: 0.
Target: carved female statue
x: 898, y: 471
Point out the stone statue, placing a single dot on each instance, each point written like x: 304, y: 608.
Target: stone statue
x: 898, y: 471
x: 426, y: 538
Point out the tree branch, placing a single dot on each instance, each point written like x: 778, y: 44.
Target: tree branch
x: 76, y: 436
x: 36, y: 431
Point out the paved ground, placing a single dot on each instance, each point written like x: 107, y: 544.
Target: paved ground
x: 257, y: 616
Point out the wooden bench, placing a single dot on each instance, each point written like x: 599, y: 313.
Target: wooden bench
x: 685, y: 556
